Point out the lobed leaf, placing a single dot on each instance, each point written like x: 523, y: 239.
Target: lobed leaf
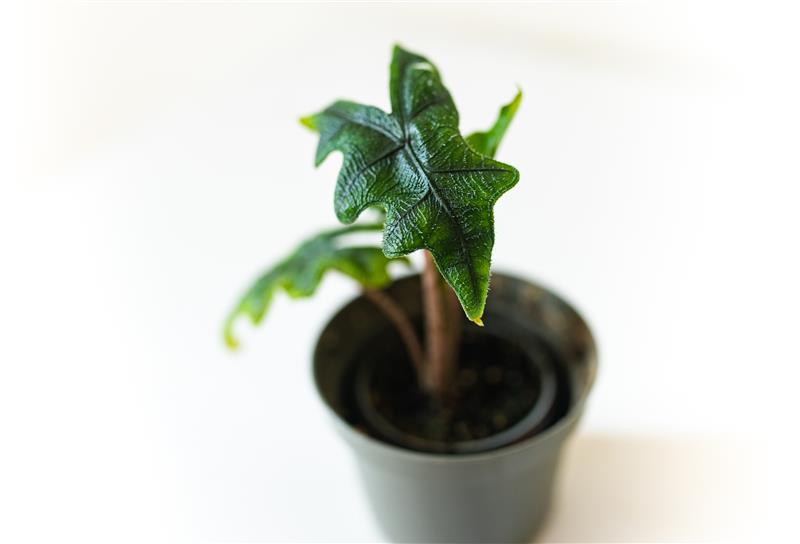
x: 300, y: 273
x: 438, y: 192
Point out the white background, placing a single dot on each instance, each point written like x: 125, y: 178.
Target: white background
x: 152, y: 164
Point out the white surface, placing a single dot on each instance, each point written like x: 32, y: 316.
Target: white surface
x: 156, y: 165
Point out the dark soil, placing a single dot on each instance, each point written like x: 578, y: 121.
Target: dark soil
x: 495, y: 388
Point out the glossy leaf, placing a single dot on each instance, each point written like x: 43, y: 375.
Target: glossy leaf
x: 438, y: 192
x: 300, y: 274
x: 487, y: 142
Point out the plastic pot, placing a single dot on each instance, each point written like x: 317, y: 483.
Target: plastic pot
x: 498, y: 495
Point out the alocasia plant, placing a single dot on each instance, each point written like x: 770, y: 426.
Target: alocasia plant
x: 437, y: 190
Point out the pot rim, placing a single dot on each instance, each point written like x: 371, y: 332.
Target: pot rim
x: 562, y: 425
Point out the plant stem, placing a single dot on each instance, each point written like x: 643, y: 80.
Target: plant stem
x: 440, y: 332
x: 402, y: 324
x: 436, y: 363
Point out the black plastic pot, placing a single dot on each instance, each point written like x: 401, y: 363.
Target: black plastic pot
x: 497, y: 489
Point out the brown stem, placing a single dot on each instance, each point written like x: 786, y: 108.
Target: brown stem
x: 440, y: 349
x: 402, y: 324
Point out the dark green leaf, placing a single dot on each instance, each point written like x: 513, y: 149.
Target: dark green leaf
x: 487, y: 142
x: 300, y: 274
x: 437, y: 191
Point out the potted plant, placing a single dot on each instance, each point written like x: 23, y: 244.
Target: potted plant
x: 457, y: 427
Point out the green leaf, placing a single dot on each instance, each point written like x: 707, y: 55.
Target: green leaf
x: 437, y: 191
x: 487, y: 142
x: 300, y: 274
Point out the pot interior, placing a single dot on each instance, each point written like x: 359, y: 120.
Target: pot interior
x: 527, y: 329
x: 503, y: 392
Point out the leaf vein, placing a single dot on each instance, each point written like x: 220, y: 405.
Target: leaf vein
x: 345, y: 187
x: 377, y: 128
x: 465, y: 254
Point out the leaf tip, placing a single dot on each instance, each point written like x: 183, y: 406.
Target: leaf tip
x: 478, y: 321
x: 231, y: 342
x: 309, y: 121
x: 517, y: 100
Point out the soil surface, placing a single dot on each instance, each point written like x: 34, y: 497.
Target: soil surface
x: 495, y: 388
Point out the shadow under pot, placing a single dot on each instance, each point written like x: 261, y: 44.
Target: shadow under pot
x: 483, y: 471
